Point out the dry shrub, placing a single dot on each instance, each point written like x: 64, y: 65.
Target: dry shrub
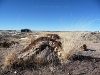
x: 67, y: 53
x: 10, y: 59
x: 69, y: 48
x: 69, y: 44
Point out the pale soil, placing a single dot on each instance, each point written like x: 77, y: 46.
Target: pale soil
x: 82, y: 63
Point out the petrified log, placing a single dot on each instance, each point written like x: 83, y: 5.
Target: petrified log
x: 40, y: 51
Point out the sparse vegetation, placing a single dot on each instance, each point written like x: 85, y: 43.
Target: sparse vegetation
x: 10, y: 59
x: 52, y: 55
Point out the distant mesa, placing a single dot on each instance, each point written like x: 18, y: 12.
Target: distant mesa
x: 26, y: 30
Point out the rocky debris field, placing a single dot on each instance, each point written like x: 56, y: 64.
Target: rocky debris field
x: 81, y: 62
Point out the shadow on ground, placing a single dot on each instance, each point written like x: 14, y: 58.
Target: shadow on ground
x: 78, y: 65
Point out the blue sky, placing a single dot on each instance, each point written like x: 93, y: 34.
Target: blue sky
x: 51, y: 15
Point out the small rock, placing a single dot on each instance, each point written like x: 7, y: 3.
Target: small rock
x: 15, y: 72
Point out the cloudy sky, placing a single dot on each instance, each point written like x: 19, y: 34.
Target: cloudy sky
x: 51, y: 15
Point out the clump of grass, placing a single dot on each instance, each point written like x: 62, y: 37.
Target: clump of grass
x: 67, y: 54
x: 69, y: 44
x: 9, y: 60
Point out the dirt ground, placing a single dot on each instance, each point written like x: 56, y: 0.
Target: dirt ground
x: 86, y: 66
x: 82, y: 62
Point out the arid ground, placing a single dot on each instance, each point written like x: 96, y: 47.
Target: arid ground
x: 81, y: 61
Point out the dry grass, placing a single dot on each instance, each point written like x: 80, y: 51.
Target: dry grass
x: 70, y: 43
x: 10, y: 59
x: 13, y: 39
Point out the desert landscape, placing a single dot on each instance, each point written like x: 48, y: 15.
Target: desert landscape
x: 49, y: 52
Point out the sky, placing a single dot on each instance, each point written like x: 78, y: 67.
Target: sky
x: 50, y: 15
